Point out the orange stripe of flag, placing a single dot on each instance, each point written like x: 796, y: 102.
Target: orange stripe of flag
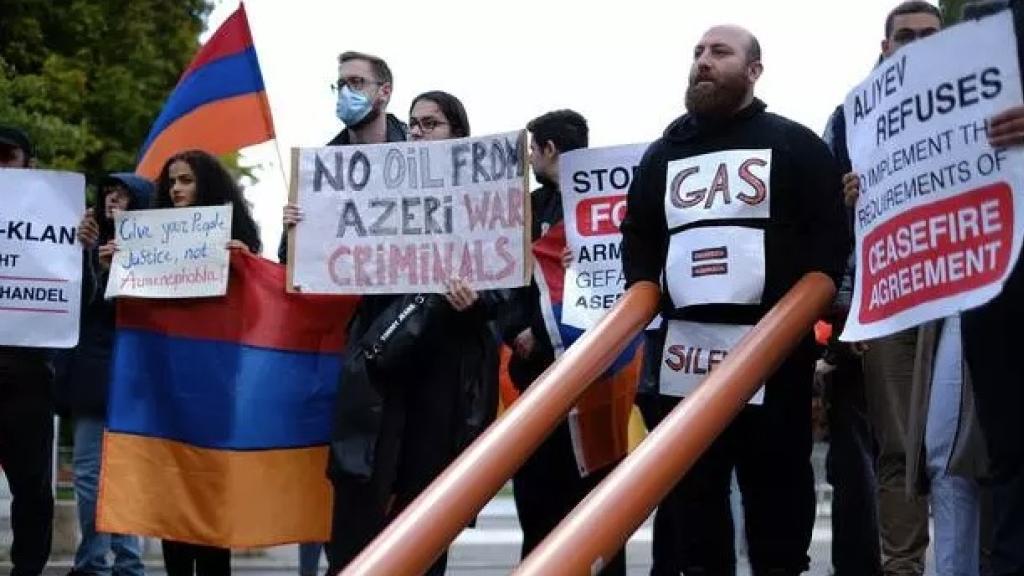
x: 219, y: 127
x: 232, y: 499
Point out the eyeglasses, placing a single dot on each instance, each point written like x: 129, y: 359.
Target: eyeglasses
x: 908, y: 35
x: 353, y: 82
x: 426, y: 124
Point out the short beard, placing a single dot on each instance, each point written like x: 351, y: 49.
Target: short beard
x: 716, y: 100
x: 544, y: 181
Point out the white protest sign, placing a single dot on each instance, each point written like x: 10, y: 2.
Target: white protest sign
x: 594, y: 182
x: 171, y: 253
x: 40, y: 258
x: 939, y: 219
x: 692, y: 350
x: 408, y: 216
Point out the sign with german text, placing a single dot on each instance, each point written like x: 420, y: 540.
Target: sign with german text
x: 171, y: 253
x: 408, y: 217
x: 939, y: 218
x: 40, y: 258
x: 594, y: 182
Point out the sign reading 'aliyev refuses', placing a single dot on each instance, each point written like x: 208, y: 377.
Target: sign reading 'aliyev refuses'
x: 407, y: 217
x: 940, y: 217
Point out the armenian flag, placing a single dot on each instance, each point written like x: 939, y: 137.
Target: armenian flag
x: 599, y: 422
x: 220, y: 413
x: 219, y: 105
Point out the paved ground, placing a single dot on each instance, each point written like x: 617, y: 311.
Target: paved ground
x: 491, y: 549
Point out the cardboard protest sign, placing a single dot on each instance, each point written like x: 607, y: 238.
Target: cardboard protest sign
x: 939, y: 218
x: 40, y: 258
x: 171, y: 253
x: 408, y: 216
x: 594, y: 182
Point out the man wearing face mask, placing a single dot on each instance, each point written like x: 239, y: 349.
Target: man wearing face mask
x: 727, y: 211
x: 364, y: 91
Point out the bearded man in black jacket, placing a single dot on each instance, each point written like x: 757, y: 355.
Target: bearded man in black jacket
x: 728, y: 210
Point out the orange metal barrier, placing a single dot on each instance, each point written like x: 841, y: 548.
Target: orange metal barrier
x: 601, y: 524
x: 418, y: 536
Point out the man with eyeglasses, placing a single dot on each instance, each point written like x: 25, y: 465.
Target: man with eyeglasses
x: 888, y: 367
x: 363, y: 89
x: 867, y: 389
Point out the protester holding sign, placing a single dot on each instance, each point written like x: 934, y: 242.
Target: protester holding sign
x: 195, y: 178
x: 549, y: 484
x: 26, y: 418
x: 872, y: 382
x: 419, y: 383
x: 941, y: 423
x: 729, y: 209
x: 83, y: 376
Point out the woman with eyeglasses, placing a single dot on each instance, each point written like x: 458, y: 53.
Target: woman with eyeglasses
x: 432, y: 403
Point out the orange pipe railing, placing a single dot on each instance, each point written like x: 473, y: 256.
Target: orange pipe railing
x: 426, y: 527
x: 598, y: 528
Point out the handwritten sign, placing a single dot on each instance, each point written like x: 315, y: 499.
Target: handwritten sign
x: 594, y: 182
x: 40, y: 258
x: 940, y: 218
x: 171, y: 253
x: 406, y: 217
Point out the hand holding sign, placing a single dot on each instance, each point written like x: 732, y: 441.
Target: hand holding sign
x: 1007, y: 128
x: 88, y: 230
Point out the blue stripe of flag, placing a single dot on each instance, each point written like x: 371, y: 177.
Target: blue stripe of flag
x: 221, y: 395
x: 223, y: 78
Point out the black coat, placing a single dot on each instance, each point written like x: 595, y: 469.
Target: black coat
x: 83, y: 372
x: 403, y: 416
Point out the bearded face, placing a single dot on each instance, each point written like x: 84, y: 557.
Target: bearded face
x: 716, y: 93
x: 726, y: 64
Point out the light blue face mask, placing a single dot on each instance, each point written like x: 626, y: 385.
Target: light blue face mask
x: 352, y: 106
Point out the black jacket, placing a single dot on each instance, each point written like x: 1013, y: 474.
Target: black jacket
x: 83, y: 372
x: 523, y: 309
x: 806, y: 230
x: 404, y: 418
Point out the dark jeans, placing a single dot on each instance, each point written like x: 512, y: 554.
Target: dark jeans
x: 549, y: 486
x: 26, y: 455
x: 769, y: 446
x: 183, y: 559
x: 992, y: 338
x: 850, y: 469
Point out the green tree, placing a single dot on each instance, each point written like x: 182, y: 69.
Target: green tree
x: 87, y: 78
x: 951, y: 10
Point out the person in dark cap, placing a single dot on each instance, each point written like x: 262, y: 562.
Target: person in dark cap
x: 15, y: 148
x: 26, y: 421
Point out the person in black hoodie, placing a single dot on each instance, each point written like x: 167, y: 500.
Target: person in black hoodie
x: 26, y: 419
x: 728, y: 210
x: 83, y: 376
